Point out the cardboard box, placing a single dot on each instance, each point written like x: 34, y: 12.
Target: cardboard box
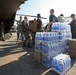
x: 37, y: 56
x: 72, y: 44
x: 72, y: 48
x: 32, y: 26
x: 72, y: 53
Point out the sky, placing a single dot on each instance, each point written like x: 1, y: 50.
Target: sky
x: 33, y: 7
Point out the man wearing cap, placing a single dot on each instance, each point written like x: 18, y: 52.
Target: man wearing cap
x: 39, y: 23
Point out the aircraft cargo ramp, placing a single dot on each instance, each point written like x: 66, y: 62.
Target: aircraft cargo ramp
x: 15, y: 60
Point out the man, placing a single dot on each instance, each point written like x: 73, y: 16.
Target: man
x: 52, y: 18
x: 2, y: 26
x: 39, y: 23
x: 25, y: 30
x: 72, y: 16
x: 19, y: 29
x: 32, y: 27
x: 61, y: 18
x: 73, y: 26
x: 37, y: 26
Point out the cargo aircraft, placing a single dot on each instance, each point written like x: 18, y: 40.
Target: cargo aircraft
x: 8, y: 9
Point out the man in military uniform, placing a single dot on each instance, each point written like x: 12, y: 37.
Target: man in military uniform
x: 39, y: 23
x: 32, y: 27
x: 19, y: 29
x: 25, y: 30
x: 2, y: 26
x: 73, y: 26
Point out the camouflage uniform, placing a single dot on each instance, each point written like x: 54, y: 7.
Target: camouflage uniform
x: 19, y: 30
x: 32, y: 27
x: 2, y: 26
x: 25, y: 30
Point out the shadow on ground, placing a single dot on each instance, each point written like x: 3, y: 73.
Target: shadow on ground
x: 10, y: 49
x: 25, y: 65
x: 73, y: 61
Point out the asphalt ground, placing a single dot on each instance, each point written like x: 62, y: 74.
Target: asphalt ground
x: 15, y: 60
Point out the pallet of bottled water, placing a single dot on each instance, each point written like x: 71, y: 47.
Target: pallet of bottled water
x: 61, y: 27
x: 45, y: 41
x: 54, y: 49
x: 61, y: 63
x: 64, y: 36
x: 44, y: 38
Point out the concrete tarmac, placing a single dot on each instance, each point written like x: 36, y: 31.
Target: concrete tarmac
x: 15, y: 60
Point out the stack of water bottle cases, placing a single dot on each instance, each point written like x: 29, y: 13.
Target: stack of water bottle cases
x: 54, y: 47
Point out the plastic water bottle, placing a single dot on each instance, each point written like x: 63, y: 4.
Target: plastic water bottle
x: 36, y: 36
x: 44, y: 37
x: 40, y: 37
x: 56, y: 27
x: 61, y: 67
x: 54, y: 63
x: 68, y: 62
x: 53, y: 27
x: 51, y: 37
